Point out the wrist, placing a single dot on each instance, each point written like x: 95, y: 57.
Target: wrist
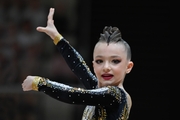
x: 35, y: 83
x: 57, y: 38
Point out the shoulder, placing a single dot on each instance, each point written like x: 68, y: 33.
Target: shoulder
x: 128, y: 99
x: 119, y: 93
x: 116, y: 90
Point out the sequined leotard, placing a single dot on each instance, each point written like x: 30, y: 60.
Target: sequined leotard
x: 107, y: 103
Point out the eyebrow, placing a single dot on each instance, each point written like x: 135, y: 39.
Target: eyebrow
x: 114, y: 56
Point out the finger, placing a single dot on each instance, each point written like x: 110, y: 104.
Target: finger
x: 41, y: 29
x: 24, y: 89
x: 51, y: 13
x: 22, y: 84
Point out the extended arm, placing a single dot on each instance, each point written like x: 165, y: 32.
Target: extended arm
x: 106, y: 96
x: 110, y: 97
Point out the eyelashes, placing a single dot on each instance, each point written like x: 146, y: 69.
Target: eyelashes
x: 98, y: 61
x: 115, y: 61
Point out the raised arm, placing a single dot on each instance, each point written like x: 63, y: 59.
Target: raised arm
x: 71, y: 56
x: 77, y: 64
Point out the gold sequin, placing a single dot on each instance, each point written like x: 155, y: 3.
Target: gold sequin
x: 57, y: 39
x: 35, y: 83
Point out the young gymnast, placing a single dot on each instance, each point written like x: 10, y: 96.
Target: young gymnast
x: 104, y: 94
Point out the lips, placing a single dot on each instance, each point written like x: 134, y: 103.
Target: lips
x: 106, y: 76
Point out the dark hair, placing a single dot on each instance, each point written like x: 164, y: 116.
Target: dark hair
x: 113, y: 35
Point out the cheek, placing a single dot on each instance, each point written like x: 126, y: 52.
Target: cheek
x: 119, y: 69
x: 97, y: 69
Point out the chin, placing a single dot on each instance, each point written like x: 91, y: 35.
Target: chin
x: 104, y: 84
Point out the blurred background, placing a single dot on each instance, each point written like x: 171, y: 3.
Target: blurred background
x: 24, y: 51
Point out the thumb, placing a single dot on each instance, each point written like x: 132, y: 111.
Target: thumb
x: 41, y: 29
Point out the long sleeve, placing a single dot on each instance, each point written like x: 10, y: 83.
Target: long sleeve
x: 77, y: 64
x: 106, y: 96
x: 106, y: 103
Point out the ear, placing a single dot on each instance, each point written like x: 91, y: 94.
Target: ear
x: 129, y: 67
x: 93, y: 63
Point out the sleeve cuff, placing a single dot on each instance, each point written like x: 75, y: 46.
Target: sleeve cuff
x: 57, y: 39
x: 35, y: 83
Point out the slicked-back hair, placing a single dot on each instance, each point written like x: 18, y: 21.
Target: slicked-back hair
x: 113, y: 35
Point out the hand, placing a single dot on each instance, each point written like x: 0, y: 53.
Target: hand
x: 27, y: 83
x: 50, y: 29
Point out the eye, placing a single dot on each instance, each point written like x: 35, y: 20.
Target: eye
x: 116, y: 61
x: 98, y: 61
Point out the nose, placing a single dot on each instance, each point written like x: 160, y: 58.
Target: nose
x: 106, y: 67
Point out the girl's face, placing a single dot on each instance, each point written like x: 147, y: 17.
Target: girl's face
x: 110, y: 64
